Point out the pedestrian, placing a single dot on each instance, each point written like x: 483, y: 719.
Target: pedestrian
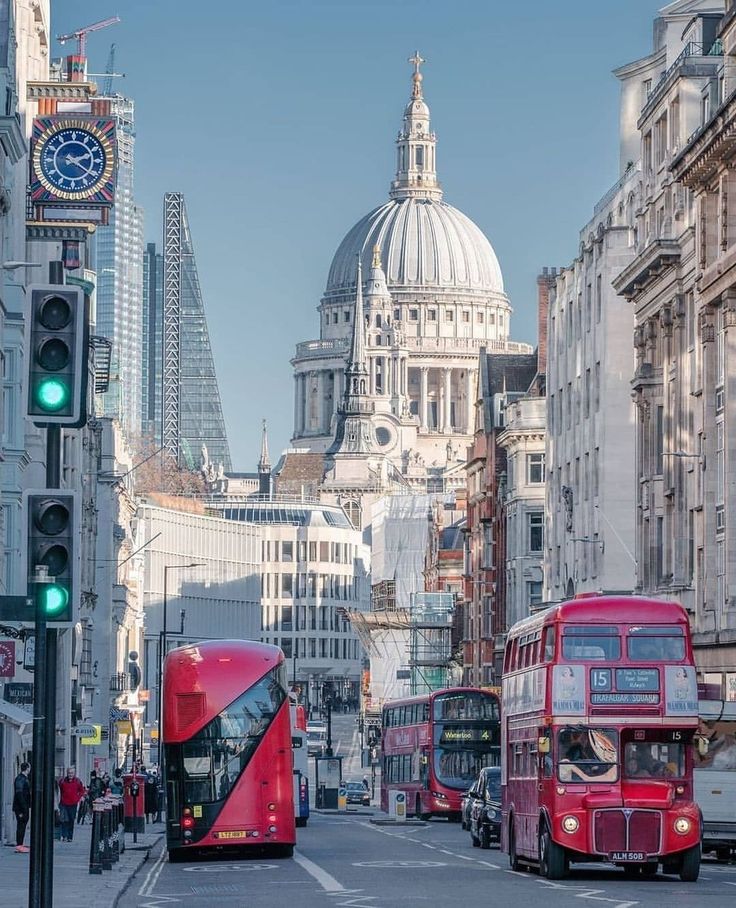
x: 106, y: 784
x: 365, y: 783
x: 71, y: 792
x: 150, y: 796
x: 22, y: 807
x: 116, y: 786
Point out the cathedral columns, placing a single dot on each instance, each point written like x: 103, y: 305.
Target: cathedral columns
x: 470, y: 402
x: 447, y: 415
x: 336, y: 391
x: 297, y: 385
x: 424, y: 397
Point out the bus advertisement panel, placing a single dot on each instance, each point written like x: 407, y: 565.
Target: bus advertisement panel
x: 434, y: 746
x: 227, y: 748
x: 600, y: 708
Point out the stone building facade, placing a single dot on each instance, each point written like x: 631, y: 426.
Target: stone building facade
x: 680, y: 299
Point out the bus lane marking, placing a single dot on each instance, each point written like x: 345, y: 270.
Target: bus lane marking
x: 325, y: 879
x: 150, y: 881
x: 583, y: 892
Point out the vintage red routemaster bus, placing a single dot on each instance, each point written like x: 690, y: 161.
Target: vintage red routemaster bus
x: 600, y: 707
x: 434, y: 746
x: 227, y: 748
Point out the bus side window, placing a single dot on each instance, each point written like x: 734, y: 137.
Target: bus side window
x: 549, y: 644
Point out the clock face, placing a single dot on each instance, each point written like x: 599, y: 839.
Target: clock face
x: 73, y: 160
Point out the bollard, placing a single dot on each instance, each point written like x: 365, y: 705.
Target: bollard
x: 114, y: 837
x: 95, y: 853
x: 121, y: 824
x: 106, y: 836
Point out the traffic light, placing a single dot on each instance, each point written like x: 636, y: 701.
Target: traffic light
x: 52, y: 530
x: 57, y: 355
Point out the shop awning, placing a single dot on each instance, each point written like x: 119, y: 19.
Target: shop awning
x: 14, y: 715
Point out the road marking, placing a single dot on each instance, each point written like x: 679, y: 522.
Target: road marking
x: 404, y: 864
x: 145, y: 889
x: 583, y: 892
x: 230, y: 868
x: 326, y: 880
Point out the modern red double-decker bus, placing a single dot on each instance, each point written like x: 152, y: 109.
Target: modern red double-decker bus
x: 600, y: 707
x: 227, y: 748
x: 434, y: 746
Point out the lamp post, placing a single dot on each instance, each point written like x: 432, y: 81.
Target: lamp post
x: 162, y: 649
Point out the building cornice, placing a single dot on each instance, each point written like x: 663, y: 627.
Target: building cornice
x: 658, y: 256
x: 711, y: 147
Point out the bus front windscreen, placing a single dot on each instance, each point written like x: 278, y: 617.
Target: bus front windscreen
x: 461, y: 751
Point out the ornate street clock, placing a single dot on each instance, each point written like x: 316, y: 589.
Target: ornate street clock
x: 73, y: 161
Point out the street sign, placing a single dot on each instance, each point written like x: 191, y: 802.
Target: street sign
x: 94, y: 738
x: 7, y: 658
x: 84, y: 731
x: 20, y: 693
x: 29, y: 654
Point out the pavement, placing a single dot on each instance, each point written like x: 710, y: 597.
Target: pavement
x: 74, y: 886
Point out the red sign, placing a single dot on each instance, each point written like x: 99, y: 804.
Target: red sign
x: 7, y: 658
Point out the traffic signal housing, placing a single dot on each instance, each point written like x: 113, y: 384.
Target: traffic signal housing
x: 52, y: 534
x: 57, y: 355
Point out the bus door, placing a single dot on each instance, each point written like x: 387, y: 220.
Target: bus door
x: 424, y: 768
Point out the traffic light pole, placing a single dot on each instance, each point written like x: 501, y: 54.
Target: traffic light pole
x: 41, y: 883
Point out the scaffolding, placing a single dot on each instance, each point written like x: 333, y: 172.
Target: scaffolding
x: 430, y: 641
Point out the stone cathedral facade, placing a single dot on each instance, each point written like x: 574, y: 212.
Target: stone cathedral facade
x: 432, y: 296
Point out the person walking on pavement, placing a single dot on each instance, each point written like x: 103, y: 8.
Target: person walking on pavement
x: 150, y: 796
x: 71, y: 792
x: 22, y: 807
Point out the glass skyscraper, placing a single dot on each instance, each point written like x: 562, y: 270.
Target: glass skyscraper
x: 119, y: 280
x: 181, y: 399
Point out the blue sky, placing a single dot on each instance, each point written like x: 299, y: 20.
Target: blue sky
x: 277, y: 121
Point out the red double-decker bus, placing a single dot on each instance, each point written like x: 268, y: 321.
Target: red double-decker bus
x: 434, y: 746
x: 600, y: 707
x: 227, y: 748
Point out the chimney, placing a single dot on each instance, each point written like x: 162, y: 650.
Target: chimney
x: 545, y: 281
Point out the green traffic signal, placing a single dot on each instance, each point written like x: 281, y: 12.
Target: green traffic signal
x: 52, y: 394
x: 54, y: 598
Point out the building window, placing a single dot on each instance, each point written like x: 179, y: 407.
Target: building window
x: 335, y: 317
x: 535, y: 468
x: 397, y: 315
x: 449, y: 315
x: 487, y: 564
x: 346, y: 315
x: 536, y: 531
x: 534, y: 593
x: 286, y: 618
x: 466, y: 315
x: 413, y: 315
x: 598, y: 298
x: 287, y: 586
x: 480, y: 317
x: 432, y: 315
x: 287, y: 551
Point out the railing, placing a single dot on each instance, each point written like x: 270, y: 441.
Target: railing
x: 691, y: 49
x: 616, y: 188
x: 120, y: 682
x: 319, y: 348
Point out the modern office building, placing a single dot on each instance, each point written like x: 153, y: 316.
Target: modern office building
x: 178, y: 343
x: 152, y: 375
x: 120, y: 280
x: 314, y: 568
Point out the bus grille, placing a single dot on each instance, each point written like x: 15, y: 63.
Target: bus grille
x: 627, y: 830
x: 189, y: 708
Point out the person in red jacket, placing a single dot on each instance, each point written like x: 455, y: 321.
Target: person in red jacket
x: 71, y: 792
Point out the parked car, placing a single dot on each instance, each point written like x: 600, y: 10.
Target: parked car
x: 465, y: 804
x: 358, y: 793
x: 485, y: 808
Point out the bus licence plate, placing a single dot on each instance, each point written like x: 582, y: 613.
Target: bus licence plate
x: 627, y: 856
x: 240, y: 834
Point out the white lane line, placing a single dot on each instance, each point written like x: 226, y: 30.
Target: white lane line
x: 156, y: 869
x: 326, y: 880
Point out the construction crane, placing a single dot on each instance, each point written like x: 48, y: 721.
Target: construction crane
x: 80, y: 35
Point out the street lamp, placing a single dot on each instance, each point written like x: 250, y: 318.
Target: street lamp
x: 162, y: 646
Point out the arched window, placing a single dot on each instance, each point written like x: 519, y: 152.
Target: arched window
x: 353, y: 510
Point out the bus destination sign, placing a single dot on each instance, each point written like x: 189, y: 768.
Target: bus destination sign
x: 625, y: 699
x: 637, y: 679
x: 463, y: 735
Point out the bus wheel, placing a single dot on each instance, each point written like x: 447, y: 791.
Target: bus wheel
x: 690, y: 866
x: 282, y: 851
x: 552, y: 864
x: 514, y: 863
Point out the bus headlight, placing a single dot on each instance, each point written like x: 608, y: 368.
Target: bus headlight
x: 682, y: 825
x: 570, y: 824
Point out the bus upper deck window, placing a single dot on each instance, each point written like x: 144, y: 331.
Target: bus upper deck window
x: 656, y: 644
x: 549, y: 644
x: 591, y: 643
